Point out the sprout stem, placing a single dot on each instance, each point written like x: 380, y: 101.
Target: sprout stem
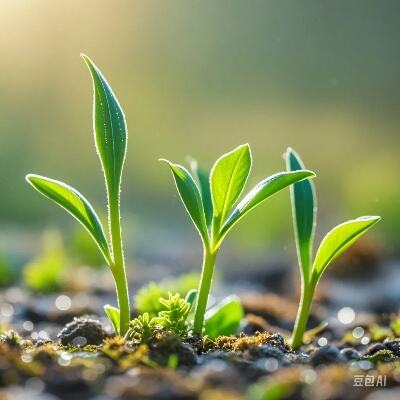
x: 204, y: 288
x: 303, y: 313
x: 118, y: 267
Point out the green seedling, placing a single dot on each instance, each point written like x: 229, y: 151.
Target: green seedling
x: 147, y: 299
x: 141, y: 328
x: 175, y: 314
x: 111, y: 134
x: 214, y: 219
x: 338, y: 240
x: 173, y: 318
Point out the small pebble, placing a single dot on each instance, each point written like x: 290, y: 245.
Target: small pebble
x: 266, y: 351
x: 350, y: 354
x: 81, y: 329
x: 374, y: 348
x: 326, y: 355
x: 394, y: 346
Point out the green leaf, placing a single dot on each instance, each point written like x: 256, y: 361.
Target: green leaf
x: 113, y: 316
x: 227, y: 180
x: 338, y: 240
x: 73, y: 202
x: 203, y: 180
x: 261, y: 192
x: 110, y: 129
x: 191, y: 197
x: 224, y: 318
x: 304, y: 208
x: 191, y: 297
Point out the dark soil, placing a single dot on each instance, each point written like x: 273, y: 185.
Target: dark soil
x: 85, y: 362
x: 49, y: 354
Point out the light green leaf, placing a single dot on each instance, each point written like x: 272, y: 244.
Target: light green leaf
x: 340, y: 239
x: 304, y: 208
x: 110, y: 129
x: 113, y: 315
x: 191, y: 197
x: 72, y: 201
x: 227, y: 180
x: 224, y: 318
x: 261, y: 192
x: 203, y: 180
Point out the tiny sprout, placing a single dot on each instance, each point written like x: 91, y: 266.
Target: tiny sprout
x: 213, y: 208
x: 174, y: 316
x: 111, y: 135
x: 171, y: 319
x: 338, y: 240
x: 141, y: 328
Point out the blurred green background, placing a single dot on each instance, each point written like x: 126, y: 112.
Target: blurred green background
x: 199, y: 78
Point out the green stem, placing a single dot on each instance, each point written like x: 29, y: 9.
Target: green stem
x: 307, y: 293
x: 204, y: 288
x: 118, y: 267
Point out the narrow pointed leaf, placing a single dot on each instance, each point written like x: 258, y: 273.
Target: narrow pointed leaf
x: 113, y: 315
x: 109, y: 127
x: 228, y: 178
x: 263, y: 191
x: 191, y: 197
x: 304, y: 207
x: 203, y: 180
x: 74, y: 202
x: 340, y: 239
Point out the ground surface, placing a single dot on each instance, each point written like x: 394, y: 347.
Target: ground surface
x: 46, y: 354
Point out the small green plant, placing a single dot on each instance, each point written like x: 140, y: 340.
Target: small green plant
x: 147, y: 298
x: 214, y: 219
x: 174, y: 316
x: 111, y: 136
x: 338, y: 240
x: 172, y: 319
x: 141, y: 328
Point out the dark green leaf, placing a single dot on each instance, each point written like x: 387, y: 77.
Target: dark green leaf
x: 304, y: 207
x: 191, y: 197
x: 224, y: 318
x: 74, y: 202
x: 110, y: 129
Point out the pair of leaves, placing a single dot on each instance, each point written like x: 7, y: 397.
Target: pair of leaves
x: 111, y: 139
x: 338, y: 240
x: 227, y: 180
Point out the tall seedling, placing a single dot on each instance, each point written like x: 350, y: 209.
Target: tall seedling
x: 213, y: 206
x: 111, y: 134
x: 338, y: 240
